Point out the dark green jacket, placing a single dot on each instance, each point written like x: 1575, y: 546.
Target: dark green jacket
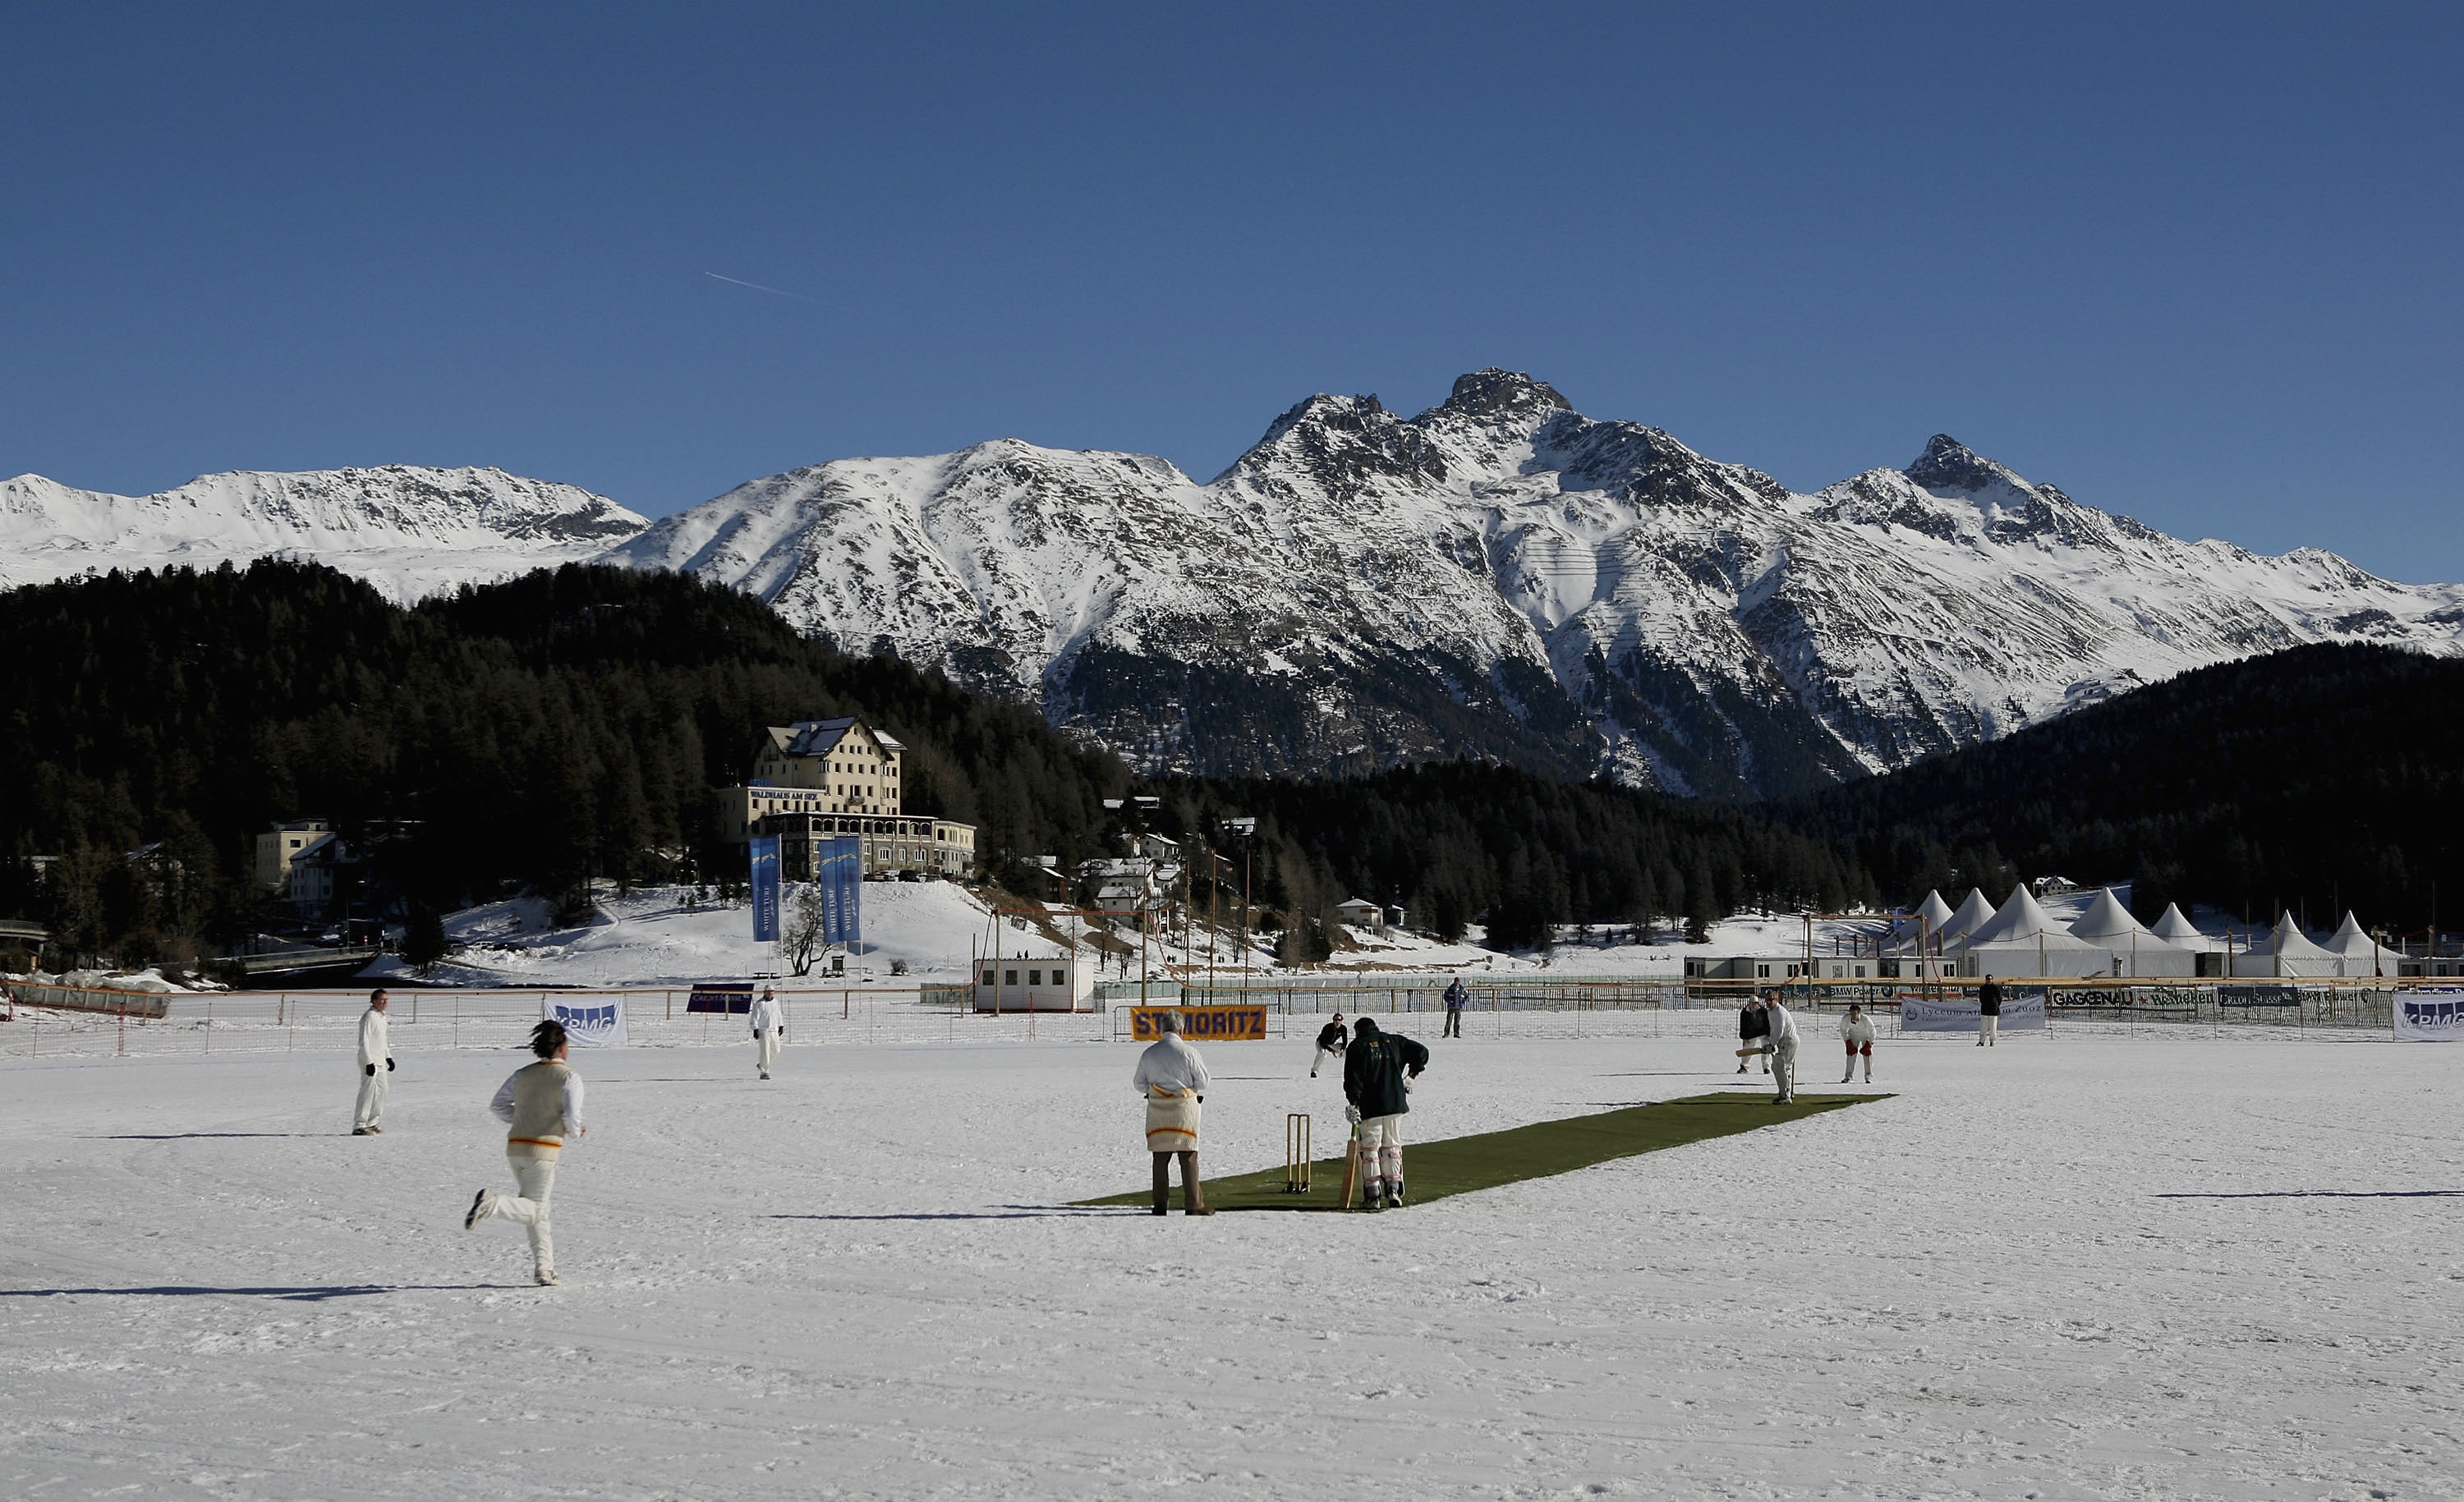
x: 1374, y: 1071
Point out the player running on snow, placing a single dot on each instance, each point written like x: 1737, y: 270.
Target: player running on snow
x: 543, y: 1104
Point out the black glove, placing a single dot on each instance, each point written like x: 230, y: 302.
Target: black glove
x: 388, y: 1066
x: 372, y: 1069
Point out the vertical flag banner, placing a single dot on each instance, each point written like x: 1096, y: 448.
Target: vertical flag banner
x: 825, y: 886
x: 852, y: 891
x: 766, y: 889
x: 597, y: 1022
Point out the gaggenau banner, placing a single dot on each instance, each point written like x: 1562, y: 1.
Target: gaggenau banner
x: 2431, y: 1016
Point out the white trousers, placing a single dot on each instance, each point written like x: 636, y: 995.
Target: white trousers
x: 1988, y: 1029
x: 1381, y: 1146
x: 535, y: 1178
x: 1322, y: 1054
x: 1783, y: 1067
x: 372, y: 1096
x: 768, y: 1044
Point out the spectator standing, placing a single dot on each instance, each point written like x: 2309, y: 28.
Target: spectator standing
x: 375, y: 1069
x: 1989, y: 1012
x: 1456, y: 996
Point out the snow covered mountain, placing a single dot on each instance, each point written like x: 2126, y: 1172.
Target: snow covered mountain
x: 409, y: 531
x: 1501, y: 576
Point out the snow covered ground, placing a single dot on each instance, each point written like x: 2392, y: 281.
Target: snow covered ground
x: 2074, y: 1267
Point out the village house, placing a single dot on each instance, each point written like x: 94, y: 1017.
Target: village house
x: 817, y: 779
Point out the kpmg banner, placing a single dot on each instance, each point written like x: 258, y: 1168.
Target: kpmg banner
x: 2432, y: 1015
x: 597, y: 1022
x: 766, y: 889
x: 2023, y: 1011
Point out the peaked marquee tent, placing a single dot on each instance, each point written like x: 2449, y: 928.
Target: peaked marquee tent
x: 2288, y: 953
x: 2362, y: 955
x: 2135, y: 951
x: 1973, y: 914
x: 2175, y: 929
x: 1933, y: 912
x: 2023, y: 939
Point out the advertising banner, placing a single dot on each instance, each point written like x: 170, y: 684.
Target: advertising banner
x: 849, y: 869
x: 1202, y: 1024
x: 593, y: 1022
x: 2245, y: 996
x: 720, y: 996
x: 765, y: 888
x: 2433, y: 1015
x: 2023, y: 1011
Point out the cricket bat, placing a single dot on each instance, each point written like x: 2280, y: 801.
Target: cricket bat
x: 1748, y: 1053
x: 1351, y: 1167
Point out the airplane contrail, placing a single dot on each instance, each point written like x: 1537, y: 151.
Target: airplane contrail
x: 775, y: 291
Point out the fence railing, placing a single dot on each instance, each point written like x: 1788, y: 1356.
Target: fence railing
x: 422, y: 1019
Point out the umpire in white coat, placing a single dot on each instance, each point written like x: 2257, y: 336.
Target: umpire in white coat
x: 769, y: 1030
x: 375, y: 1069
x: 1172, y: 1079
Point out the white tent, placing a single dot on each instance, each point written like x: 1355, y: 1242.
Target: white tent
x: 2287, y: 954
x: 2175, y: 929
x: 1927, y: 920
x: 1973, y: 914
x: 2023, y: 939
x: 2136, y: 952
x: 2362, y: 955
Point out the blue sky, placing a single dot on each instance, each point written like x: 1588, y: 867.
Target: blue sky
x: 2196, y: 265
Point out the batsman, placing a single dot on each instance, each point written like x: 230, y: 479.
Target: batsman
x: 1377, y: 1072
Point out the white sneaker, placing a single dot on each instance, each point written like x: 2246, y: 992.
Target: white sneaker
x: 480, y: 1209
x: 547, y: 1278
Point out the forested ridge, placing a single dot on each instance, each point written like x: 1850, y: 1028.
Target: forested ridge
x: 2311, y: 780
x: 571, y: 724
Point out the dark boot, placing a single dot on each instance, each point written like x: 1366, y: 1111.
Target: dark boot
x: 1193, y: 1194
x: 1162, y: 1182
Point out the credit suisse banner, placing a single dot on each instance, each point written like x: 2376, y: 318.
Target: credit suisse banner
x: 2431, y: 1016
x: 2023, y: 1011
x: 1234, y: 1024
x: 597, y: 1022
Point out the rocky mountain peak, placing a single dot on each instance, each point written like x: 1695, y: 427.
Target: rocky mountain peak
x: 1493, y: 394
x: 1949, y: 465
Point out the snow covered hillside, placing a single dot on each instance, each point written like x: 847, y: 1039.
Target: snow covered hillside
x: 1500, y: 575
x: 408, y: 531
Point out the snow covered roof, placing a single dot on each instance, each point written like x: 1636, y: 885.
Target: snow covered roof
x: 1360, y: 902
x: 2178, y: 929
x: 2106, y: 919
x: 1973, y: 914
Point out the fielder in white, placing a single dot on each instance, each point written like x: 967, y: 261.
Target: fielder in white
x: 1857, y: 1030
x: 1782, y: 1049
x: 1173, y: 1079
x: 769, y: 1030
x: 543, y: 1104
x: 375, y: 1069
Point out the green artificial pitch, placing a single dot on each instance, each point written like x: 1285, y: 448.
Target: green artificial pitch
x: 1461, y: 1164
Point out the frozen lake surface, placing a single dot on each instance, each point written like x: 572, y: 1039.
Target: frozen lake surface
x: 2079, y: 1266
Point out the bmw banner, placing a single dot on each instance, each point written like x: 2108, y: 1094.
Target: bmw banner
x: 594, y: 1022
x: 766, y: 889
x: 2431, y: 1014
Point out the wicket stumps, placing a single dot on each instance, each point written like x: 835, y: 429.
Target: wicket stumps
x: 1296, y: 1154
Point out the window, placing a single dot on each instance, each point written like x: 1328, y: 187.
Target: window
x: 988, y: 978
x: 1013, y: 977
x: 1035, y: 977
x: 1060, y: 977
x: 1762, y: 973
